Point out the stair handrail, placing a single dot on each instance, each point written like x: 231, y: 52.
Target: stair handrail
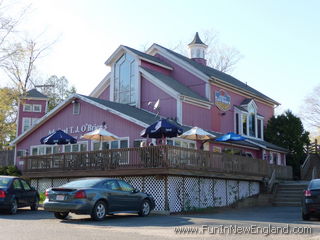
x: 272, y: 180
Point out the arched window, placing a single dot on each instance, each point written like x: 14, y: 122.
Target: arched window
x: 252, y: 120
x: 125, y: 80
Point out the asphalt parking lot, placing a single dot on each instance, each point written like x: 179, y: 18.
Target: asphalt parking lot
x: 42, y: 225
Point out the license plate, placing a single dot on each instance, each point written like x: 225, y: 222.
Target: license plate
x: 60, y: 197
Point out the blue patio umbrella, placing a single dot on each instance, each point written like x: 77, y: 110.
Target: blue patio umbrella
x: 162, y: 128
x: 58, y: 137
x: 230, y: 136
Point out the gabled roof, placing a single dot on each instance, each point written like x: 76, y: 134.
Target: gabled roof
x: 147, y: 56
x: 267, y: 145
x: 246, y: 101
x: 196, y: 40
x: 134, y: 112
x: 213, y: 73
x: 34, y: 93
x: 176, y: 85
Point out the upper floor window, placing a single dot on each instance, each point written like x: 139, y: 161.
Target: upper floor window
x: 28, y: 123
x: 247, y: 122
x: 32, y: 107
x: 125, y: 80
x: 76, y: 108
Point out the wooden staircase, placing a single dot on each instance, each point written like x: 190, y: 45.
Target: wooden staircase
x: 289, y: 193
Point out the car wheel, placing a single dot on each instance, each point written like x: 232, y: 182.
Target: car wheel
x: 13, y: 207
x: 35, y: 205
x: 61, y: 215
x: 99, y: 211
x: 305, y: 217
x: 145, y: 208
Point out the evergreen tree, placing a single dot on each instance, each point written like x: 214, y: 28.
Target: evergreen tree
x: 286, y: 130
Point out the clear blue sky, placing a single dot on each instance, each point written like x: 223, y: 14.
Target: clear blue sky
x: 279, y: 39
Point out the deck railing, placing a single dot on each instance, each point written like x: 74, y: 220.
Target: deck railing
x: 168, y: 157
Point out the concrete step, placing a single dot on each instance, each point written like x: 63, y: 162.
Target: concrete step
x: 286, y: 199
x: 292, y: 187
x: 288, y: 204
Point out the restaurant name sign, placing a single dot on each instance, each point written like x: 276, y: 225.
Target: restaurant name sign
x: 222, y: 100
x: 87, y: 127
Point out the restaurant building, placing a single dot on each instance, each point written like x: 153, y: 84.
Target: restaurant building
x: 143, y: 87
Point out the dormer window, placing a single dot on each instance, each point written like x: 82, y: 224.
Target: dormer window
x: 247, y: 121
x: 125, y: 80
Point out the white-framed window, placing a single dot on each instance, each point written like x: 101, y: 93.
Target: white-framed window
x: 181, y: 143
x: 104, y: 145
x: 77, y: 147
x: 28, y: 123
x: 247, y: 122
x: 36, y: 107
x: 125, y: 80
x: 76, y: 108
x: 27, y: 107
x: 44, y: 149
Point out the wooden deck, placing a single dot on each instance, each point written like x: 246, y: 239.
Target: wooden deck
x: 155, y: 160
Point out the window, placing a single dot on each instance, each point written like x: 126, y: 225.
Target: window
x: 237, y: 124
x: 28, y: 123
x: 76, y: 108
x: 32, y: 107
x: 77, y: 147
x: 125, y: 80
x: 252, y: 120
x: 44, y: 149
x: 121, y: 143
x: 27, y: 107
x: 259, y: 126
x: 21, y: 153
x: 111, y: 185
x: 216, y: 149
x: 25, y: 185
x: 139, y: 142
x: 125, y: 186
x: 16, y: 184
x: 36, y: 108
x: 244, y: 124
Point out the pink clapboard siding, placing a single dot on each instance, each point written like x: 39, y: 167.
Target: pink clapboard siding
x: 90, y: 116
x: 225, y: 122
x: 23, y: 114
x: 155, y: 67
x: 151, y: 93
x: 185, y: 77
x: 105, y: 95
x: 196, y: 116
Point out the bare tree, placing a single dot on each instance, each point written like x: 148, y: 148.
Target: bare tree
x: 310, y: 112
x: 219, y: 56
x: 20, y: 66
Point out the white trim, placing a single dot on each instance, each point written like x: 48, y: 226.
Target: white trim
x: 240, y: 91
x: 179, y: 111
x: 155, y: 63
x: 138, y: 83
x: 208, y: 91
x: 103, y: 85
x: 155, y: 48
x: 15, y: 157
x: 34, y: 98
x: 24, y: 107
x: 40, y: 107
x: 121, y: 49
x: 196, y: 102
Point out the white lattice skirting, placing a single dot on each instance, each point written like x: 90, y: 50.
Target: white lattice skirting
x: 179, y: 193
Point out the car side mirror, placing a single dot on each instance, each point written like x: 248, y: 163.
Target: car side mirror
x: 135, y: 190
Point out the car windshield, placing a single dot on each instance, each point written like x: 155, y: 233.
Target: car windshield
x: 315, y: 184
x: 4, y: 182
x: 85, y: 183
